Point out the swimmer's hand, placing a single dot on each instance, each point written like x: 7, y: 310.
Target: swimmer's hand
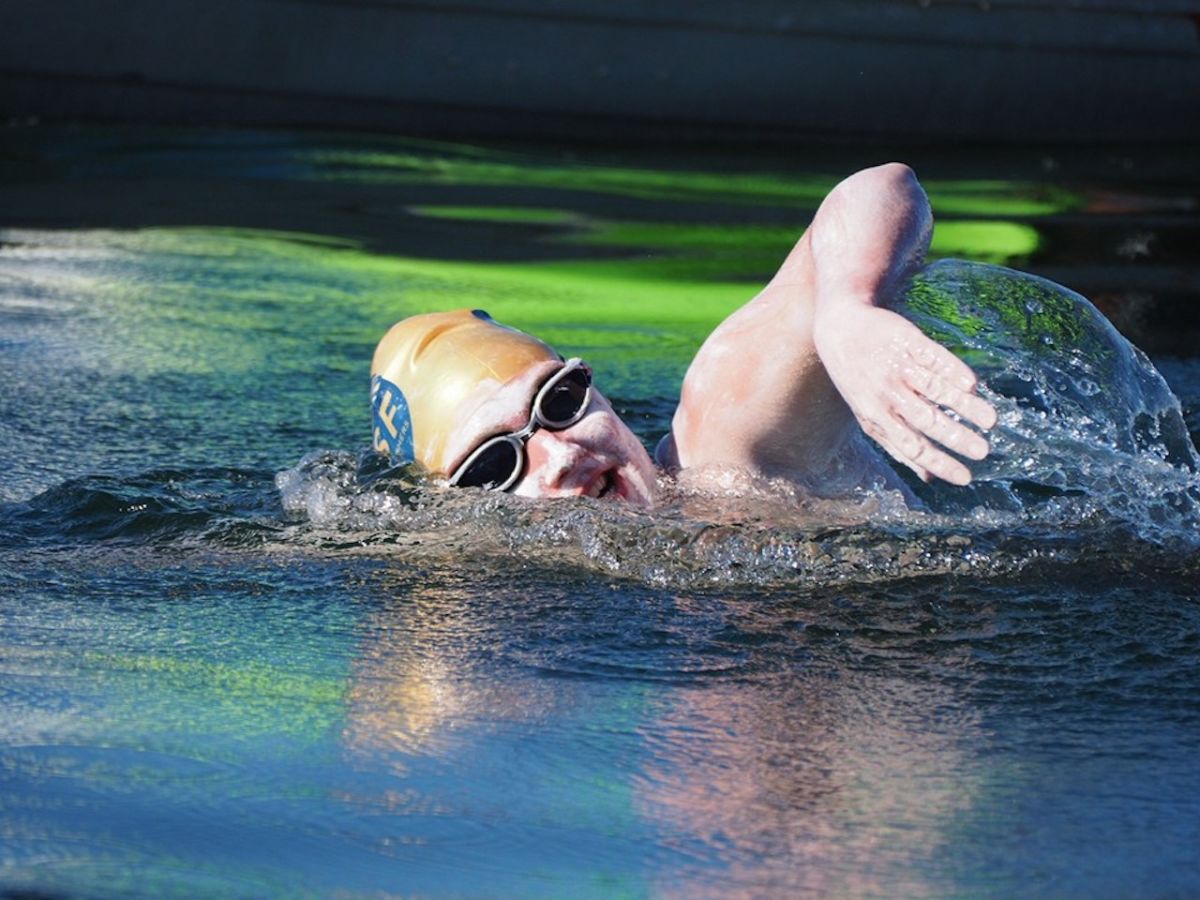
x: 900, y: 384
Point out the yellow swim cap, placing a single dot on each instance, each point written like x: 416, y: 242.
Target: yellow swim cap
x: 426, y: 367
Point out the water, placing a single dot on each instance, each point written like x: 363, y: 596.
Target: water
x: 233, y: 666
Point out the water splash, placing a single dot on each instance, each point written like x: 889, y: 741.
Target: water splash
x: 1088, y: 428
x: 690, y: 540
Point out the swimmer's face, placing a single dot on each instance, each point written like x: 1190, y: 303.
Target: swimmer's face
x: 598, y: 456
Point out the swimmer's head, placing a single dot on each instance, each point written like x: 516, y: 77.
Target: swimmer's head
x: 426, y: 371
x: 444, y: 385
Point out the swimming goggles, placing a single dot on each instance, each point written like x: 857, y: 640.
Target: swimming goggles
x: 499, y: 462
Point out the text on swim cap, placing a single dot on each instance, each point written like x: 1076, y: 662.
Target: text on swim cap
x: 391, y: 421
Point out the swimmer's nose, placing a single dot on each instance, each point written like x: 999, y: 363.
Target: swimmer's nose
x: 553, y: 458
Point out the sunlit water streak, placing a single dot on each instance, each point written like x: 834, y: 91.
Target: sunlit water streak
x: 236, y: 659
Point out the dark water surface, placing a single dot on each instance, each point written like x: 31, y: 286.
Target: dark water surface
x: 229, y: 667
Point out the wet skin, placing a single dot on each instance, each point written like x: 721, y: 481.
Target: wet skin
x: 598, y: 456
x: 786, y: 384
x: 788, y: 381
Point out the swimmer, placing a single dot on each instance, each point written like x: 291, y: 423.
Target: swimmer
x: 785, y: 387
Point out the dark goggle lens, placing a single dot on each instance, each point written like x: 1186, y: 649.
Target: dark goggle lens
x: 492, y: 468
x: 565, y: 400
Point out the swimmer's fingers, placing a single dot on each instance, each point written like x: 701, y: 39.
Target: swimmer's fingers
x: 910, y: 449
x: 940, y: 376
x: 920, y: 472
x: 906, y: 391
x: 929, y: 420
x: 913, y: 449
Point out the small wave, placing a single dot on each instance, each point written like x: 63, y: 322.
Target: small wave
x: 159, y: 506
x: 334, y: 503
x: 691, y: 539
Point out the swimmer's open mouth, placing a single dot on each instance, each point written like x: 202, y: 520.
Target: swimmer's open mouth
x: 606, y: 485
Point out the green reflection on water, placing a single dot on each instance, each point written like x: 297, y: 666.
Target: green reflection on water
x: 224, y: 302
x: 747, y: 249
x: 726, y: 251
x: 524, y: 215
x: 462, y: 165
x: 999, y: 198
x: 513, y: 170
x: 281, y: 325
x: 246, y: 698
x: 984, y: 241
x: 229, y: 302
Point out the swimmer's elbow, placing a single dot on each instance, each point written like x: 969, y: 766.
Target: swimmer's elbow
x: 872, y: 229
x: 898, y: 174
x: 889, y: 177
x: 892, y: 186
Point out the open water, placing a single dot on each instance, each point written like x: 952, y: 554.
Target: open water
x: 235, y: 660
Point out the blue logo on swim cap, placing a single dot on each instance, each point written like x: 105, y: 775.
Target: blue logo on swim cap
x: 391, y: 421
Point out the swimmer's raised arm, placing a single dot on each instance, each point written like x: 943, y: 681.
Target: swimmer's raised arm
x: 869, y: 236
x: 779, y: 385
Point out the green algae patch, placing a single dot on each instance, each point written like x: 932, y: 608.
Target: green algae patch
x: 515, y: 215
x: 465, y: 165
x: 995, y: 242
